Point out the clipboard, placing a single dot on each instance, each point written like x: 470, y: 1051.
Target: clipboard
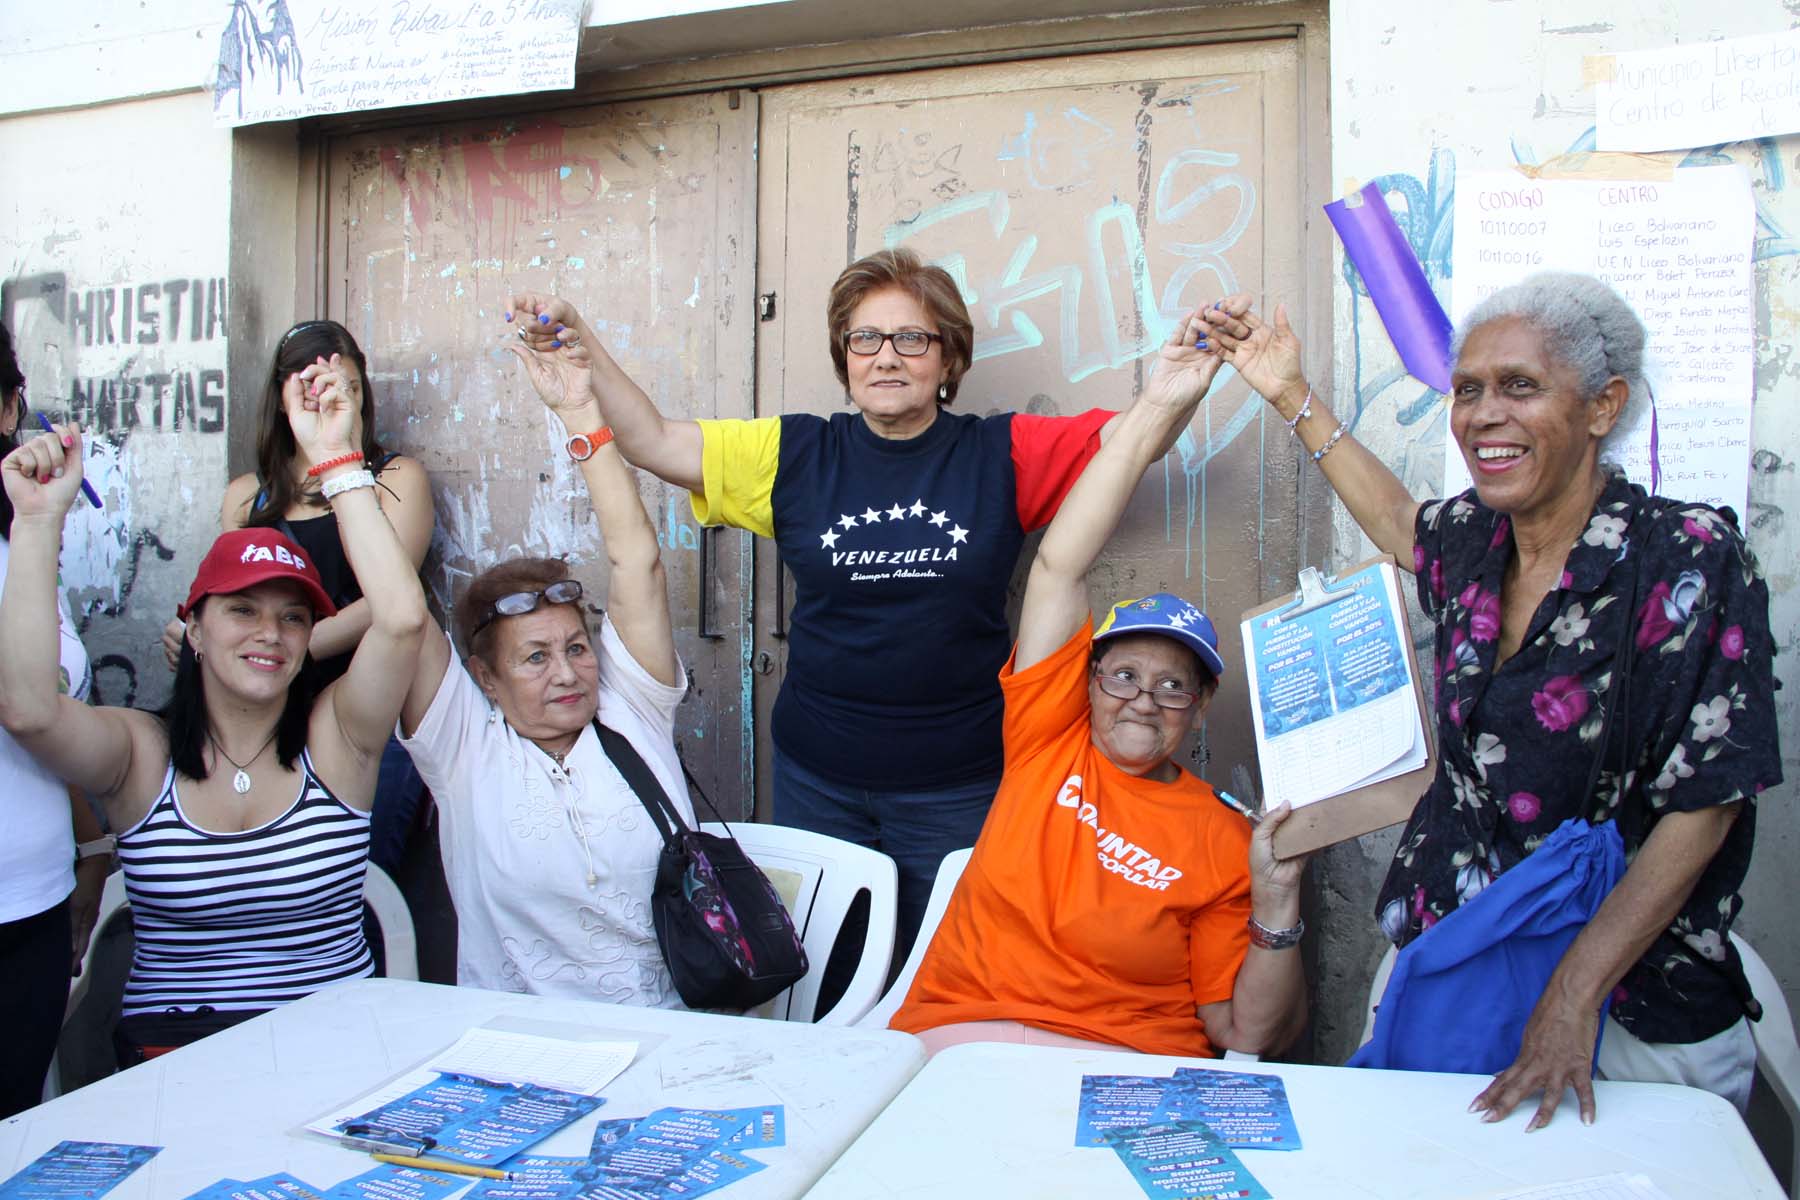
x: 1360, y: 810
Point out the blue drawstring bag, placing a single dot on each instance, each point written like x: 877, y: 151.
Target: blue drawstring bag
x: 1461, y: 992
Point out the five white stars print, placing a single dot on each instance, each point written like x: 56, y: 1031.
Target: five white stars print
x: 899, y: 512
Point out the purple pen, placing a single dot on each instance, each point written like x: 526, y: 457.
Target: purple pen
x: 87, y: 489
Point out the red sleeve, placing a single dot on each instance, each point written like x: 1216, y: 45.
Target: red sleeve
x: 1049, y: 454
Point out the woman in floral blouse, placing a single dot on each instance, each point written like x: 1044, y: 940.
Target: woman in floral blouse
x: 1529, y: 578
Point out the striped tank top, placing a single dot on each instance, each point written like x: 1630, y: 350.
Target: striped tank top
x: 246, y: 920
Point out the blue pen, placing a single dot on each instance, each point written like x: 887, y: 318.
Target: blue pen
x: 1238, y: 806
x: 87, y: 489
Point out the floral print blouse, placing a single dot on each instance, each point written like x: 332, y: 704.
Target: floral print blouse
x: 1517, y: 745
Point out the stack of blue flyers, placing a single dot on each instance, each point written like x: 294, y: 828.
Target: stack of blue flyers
x: 1244, y: 1111
x: 471, y: 1120
x: 673, y: 1152
x: 1178, y: 1134
x: 71, y: 1170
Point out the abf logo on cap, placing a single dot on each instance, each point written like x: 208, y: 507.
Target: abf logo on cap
x: 255, y: 553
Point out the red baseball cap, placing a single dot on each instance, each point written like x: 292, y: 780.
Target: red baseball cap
x: 243, y: 558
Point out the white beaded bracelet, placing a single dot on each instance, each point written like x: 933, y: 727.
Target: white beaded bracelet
x: 1333, y: 440
x: 349, y: 481
x: 1293, y: 426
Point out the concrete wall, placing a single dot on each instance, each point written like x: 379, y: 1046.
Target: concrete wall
x: 1421, y: 88
x: 113, y: 279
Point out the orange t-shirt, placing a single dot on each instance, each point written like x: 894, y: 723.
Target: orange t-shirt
x: 1097, y: 904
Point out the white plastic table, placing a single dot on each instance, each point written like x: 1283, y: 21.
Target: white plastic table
x: 995, y: 1121
x: 232, y: 1104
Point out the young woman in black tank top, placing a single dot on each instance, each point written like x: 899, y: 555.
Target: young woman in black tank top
x: 281, y: 495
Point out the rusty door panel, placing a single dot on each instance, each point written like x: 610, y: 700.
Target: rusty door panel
x: 1083, y: 204
x: 642, y: 215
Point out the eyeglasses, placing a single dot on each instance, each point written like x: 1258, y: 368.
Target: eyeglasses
x: 517, y: 604
x: 1124, y: 689
x: 908, y: 343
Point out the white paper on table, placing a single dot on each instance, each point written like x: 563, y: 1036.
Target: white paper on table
x: 1598, y: 1187
x: 1315, y: 739
x: 1680, y: 251
x: 503, y: 1056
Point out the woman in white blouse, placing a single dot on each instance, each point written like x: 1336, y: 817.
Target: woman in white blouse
x: 549, y: 854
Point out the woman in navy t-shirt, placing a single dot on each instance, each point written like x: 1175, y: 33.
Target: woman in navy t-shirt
x: 901, y: 523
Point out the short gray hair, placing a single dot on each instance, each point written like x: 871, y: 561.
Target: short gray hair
x: 1586, y: 325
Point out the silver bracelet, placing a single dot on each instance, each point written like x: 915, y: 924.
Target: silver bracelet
x: 1305, y: 412
x: 1333, y: 440
x: 349, y: 481
x: 1264, y: 938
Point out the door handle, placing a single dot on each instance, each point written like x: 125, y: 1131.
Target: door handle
x: 781, y: 575
x: 709, y: 552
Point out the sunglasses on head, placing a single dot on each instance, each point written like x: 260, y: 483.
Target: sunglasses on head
x: 517, y: 604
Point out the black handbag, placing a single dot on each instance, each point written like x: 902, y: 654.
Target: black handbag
x: 724, y: 933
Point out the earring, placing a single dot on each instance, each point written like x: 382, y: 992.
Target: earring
x: 943, y: 391
x: 493, y: 710
x: 196, y: 656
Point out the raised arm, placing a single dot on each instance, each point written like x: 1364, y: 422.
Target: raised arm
x: 1056, y: 601
x: 404, y: 492
x: 637, y: 593
x: 1269, y: 361
x: 93, y: 748
x: 355, y: 715
x: 668, y: 449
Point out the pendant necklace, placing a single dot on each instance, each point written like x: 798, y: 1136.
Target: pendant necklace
x: 240, y: 783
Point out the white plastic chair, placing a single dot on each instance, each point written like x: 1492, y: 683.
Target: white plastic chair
x: 399, y: 945
x: 817, y: 878
x: 949, y: 871
x: 1777, y: 1050
x: 1378, y: 985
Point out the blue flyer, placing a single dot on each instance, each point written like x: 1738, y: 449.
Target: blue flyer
x: 668, y: 1144
x: 1184, y: 1161
x: 1245, y: 1111
x: 389, y: 1182
x: 473, y: 1120
x: 534, y: 1177
x: 1332, y: 691
x: 1114, y: 1102
x: 76, y: 1171
x: 280, y: 1186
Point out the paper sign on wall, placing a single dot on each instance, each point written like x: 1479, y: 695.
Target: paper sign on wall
x: 1700, y: 94
x: 1679, y: 250
x: 280, y: 60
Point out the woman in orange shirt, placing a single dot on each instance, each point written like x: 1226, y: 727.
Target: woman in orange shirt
x: 1112, y: 897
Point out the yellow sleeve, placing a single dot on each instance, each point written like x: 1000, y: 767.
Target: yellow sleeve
x: 737, y: 472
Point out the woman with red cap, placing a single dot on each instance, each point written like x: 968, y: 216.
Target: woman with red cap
x: 243, y: 809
